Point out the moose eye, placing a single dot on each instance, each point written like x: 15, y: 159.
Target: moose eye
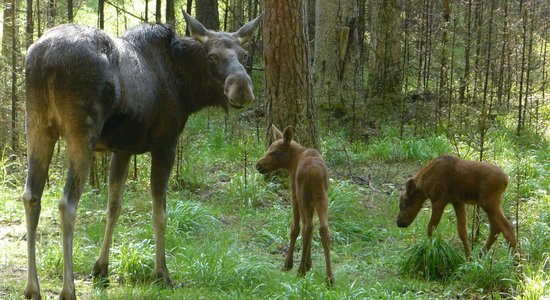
x: 245, y: 57
x: 213, y: 57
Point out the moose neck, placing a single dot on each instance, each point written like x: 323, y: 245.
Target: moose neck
x: 296, y: 153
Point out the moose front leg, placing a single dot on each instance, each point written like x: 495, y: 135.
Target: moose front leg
x: 460, y: 210
x: 437, y: 211
x: 117, y: 177
x: 161, y: 167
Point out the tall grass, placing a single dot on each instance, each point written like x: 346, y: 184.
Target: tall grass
x: 432, y: 258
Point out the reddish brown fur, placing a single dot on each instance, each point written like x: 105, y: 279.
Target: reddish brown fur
x: 309, y: 177
x: 448, y: 179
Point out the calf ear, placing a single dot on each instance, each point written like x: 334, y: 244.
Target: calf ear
x: 411, y: 186
x: 288, y: 135
x: 245, y: 33
x: 197, y: 30
x: 276, y: 134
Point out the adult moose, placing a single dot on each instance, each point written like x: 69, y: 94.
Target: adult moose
x: 448, y: 179
x: 126, y: 95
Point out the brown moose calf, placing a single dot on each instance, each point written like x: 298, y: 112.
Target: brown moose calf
x: 448, y: 179
x: 309, y: 177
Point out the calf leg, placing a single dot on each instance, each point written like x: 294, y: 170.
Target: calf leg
x: 322, y: 211
x: 162, y: 161
x: 117, y: 178
x: 306, y: 212
x: 499, y: 223
x: 294, y: 232
x: 80, y: 152
x: 437, y: 211
x: 40, y: 145
x: 460, y: 210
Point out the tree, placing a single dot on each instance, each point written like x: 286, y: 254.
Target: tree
x: 288, y: 85
x: 385, y: 78
x: 207, y: 14
x: 170, y: 12
x: 337, y: 69
x: 10, y: 45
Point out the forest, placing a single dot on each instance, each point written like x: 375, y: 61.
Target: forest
x: 379, y: 87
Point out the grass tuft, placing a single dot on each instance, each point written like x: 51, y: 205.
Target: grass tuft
x: 432, y: 259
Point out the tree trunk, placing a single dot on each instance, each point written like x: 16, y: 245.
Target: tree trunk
x: 336, y: 69
x: 288, y: 85
x: 207, y: 14
x: 158, y: 11
x: 236, y: 10
x: 70, y: 17
x: 29, y: 30
x: 51, y: 14
x: 170, y: 12
x: 385, y: 78
x: 101, y: 13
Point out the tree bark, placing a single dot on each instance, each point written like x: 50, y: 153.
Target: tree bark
x: 170, y: 12
x: 288, y: 85
x: 207, y: 14
x: 337, y: 61
x: 385, y: 78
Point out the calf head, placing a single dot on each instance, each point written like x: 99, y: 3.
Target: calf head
x: 279, y: 154
x: 226, y: 57
x: 410, y: 203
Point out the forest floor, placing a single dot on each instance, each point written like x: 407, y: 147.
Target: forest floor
x: 228, y: 230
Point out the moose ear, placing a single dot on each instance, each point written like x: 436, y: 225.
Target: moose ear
x: 197, y: 30
x: 288, y: 135
x: 245, y: 33
x: 411, y: 186
x: 276, y: 134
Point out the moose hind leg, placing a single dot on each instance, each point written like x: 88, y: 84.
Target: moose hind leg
x: 117, y: 177
x: 40, y: 145
x: 294, y: 232
x: 306, y: 211
x: 79, y: 152
x: 324, y: 232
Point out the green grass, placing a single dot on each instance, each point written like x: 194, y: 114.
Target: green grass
x: 228, y: 226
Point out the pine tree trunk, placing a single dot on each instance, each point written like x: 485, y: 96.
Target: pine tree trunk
x: 288, y: 88
x: 207, y: 14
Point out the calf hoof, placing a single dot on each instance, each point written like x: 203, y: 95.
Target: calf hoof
x: 330, y: 281
x: 302, y: 271
x: 32, y: 293
x: 288, y: 266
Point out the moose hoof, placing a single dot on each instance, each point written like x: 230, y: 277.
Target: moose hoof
x: 67, y: 295
x: 31, y: 293
x: 100, y: 276
x: 164, y: 280
x: 301, y: 271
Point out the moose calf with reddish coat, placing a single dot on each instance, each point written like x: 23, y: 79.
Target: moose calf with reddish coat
x: 309, y: 178
x: 448, y: 179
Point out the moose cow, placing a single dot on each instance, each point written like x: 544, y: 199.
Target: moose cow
x: 309, y: 178
x: 126, y: 95
x: 448, y: 179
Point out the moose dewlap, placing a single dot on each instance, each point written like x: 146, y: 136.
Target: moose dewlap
x: 448, y: 179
